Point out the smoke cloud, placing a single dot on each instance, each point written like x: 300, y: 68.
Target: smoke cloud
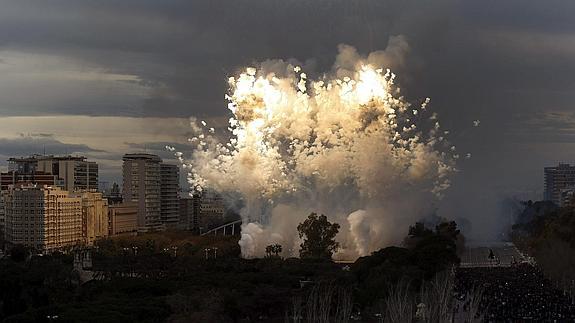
x: 345, y: 144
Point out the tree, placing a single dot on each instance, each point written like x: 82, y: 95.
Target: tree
x: 419, y: 231
x: 318, y: 235
x: 274, y: 249
x: 19, y: 253
x: 448, y: 230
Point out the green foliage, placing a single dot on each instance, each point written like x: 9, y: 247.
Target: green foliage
x: 139, y: 281
x: 273, y: 250
x: 548, y: 234
x: 428, y: 252
x: 318, y: 235
x: 546, y: 225
x: 434, y: 254
x: 448, y: 230
x: 419, y: 230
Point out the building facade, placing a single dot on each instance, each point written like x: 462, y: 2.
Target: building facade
x: 123, y: 219
x: 25, y: 165
x: 94, y: 216
x: 190, y: 213
x: 2, y: 215
x: 141, y: 184
x: 567, y: 197
x: 70, y: 172
x: 557, y: 179
x: 169, y: 191
x: 76, y: 172
x: 44, y: 218
x: 36, y: 177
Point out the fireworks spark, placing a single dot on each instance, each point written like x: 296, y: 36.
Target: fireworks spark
x: 328, y: 145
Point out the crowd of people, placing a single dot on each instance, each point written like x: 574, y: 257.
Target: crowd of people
x: 512, y: 294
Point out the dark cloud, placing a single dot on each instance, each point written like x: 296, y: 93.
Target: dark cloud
x: 26, y: 145
x: 184, y: 50
x: 488, y: 59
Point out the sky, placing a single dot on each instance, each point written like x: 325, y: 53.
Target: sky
x: 104, y: 78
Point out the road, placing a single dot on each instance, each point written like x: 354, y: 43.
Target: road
x: 505, y: 254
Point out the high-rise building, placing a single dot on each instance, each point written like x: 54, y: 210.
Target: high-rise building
x: 70, y: 172
x: 25, y: 165
x: 45, y: 218
x: 76, y: 172
x: 190, y: 212
x: 558, y: 178
x: 2, y: 215
x: 123, y: 219
x: 169, y: 187
x: 94, y: 216
x: 141, y: 184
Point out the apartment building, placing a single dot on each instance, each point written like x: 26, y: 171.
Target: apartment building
x: 94, y: 216
x: 169, y: 191
x: 45, y: 218
x: 141, y: 184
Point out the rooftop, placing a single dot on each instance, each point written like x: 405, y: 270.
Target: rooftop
x: 142, y: 156
x: 35, y: 158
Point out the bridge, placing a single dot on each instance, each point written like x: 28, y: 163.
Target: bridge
x: 225, y: 229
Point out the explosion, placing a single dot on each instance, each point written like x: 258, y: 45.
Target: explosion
x: 350, y: 147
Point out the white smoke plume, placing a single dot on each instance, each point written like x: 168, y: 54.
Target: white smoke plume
x: 347, y: 145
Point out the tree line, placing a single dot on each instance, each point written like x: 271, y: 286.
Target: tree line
x: 177, y: 277
x: 547, y: 233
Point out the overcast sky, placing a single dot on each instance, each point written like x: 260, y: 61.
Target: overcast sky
x: 102, y: 78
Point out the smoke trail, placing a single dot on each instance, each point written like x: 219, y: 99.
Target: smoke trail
x: 347, y: 145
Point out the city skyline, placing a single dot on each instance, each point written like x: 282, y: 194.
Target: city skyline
x: 42, y: 194
x: 170, y: 70
x: 287, y: 160
x: 101, y: 80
